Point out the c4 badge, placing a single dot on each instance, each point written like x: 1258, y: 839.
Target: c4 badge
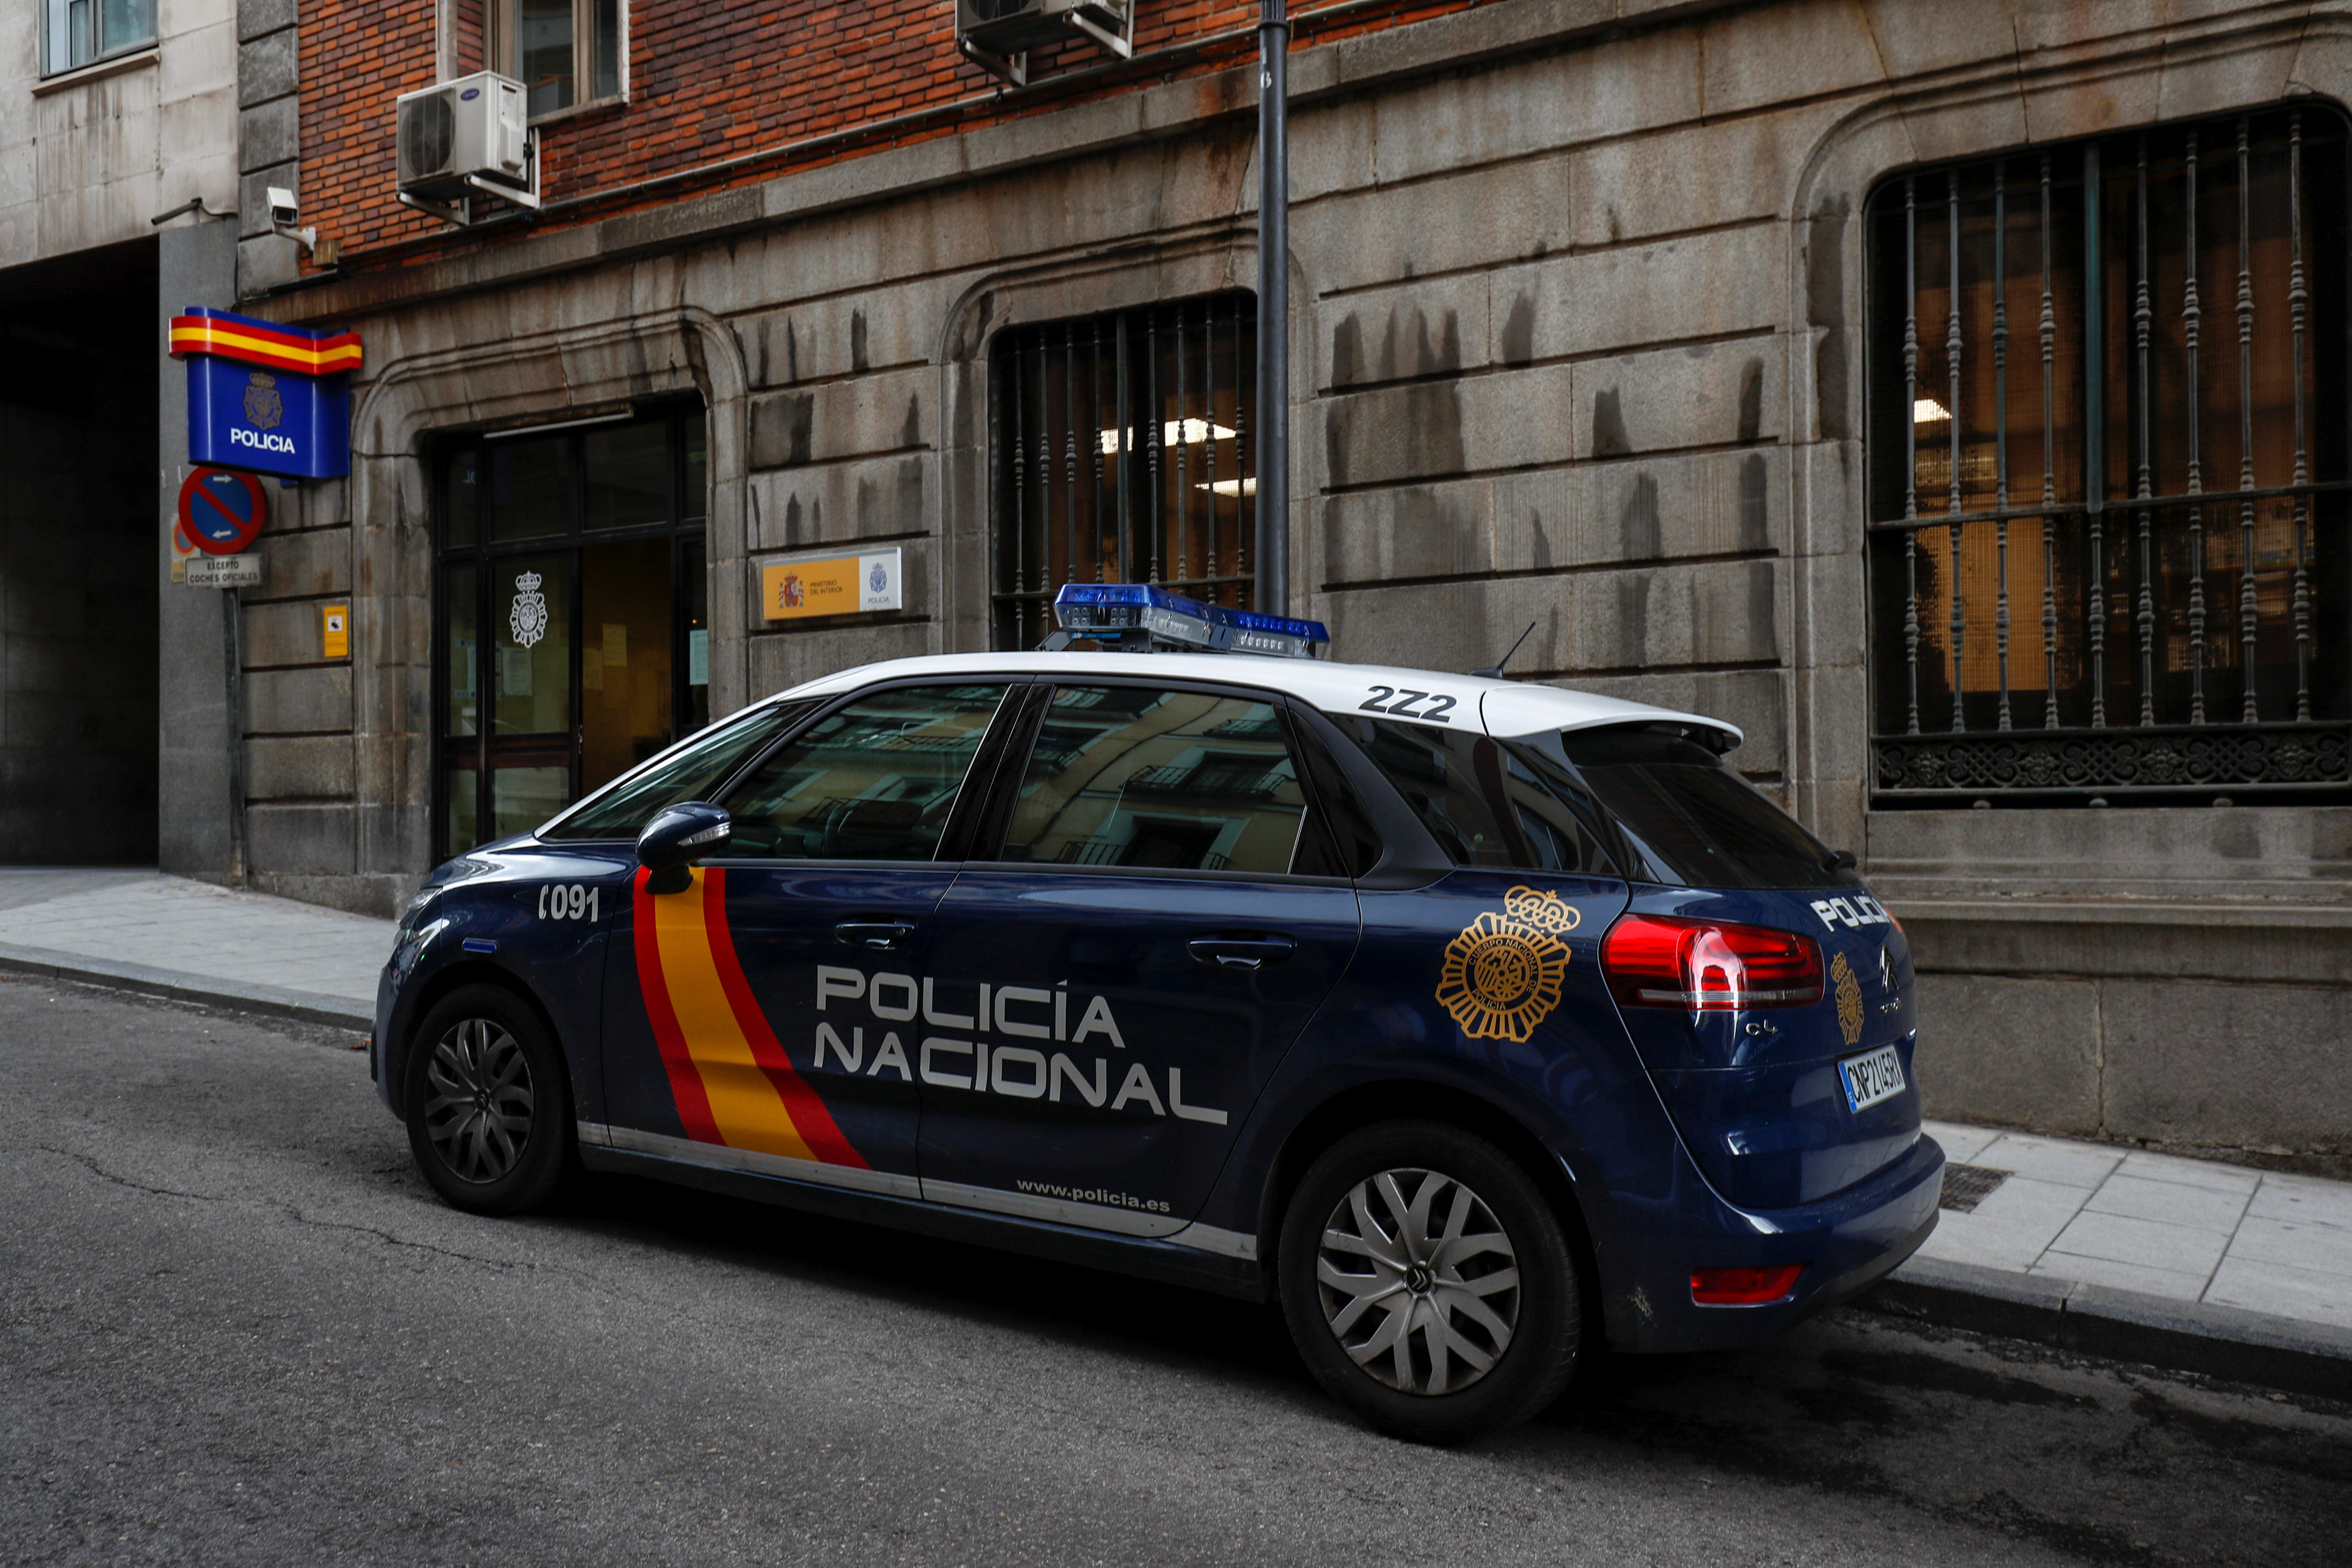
x: 1503, y: 974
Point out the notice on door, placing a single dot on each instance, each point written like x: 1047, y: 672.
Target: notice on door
x: 805, y: 586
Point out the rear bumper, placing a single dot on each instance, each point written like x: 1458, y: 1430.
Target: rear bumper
x: 1845, y: 1242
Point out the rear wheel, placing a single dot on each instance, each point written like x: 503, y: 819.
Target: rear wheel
x: 489, y: 1114
x: 1427, y: 1282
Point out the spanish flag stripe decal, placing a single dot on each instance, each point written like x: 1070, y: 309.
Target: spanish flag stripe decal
x: 743, y: 1102
x: 732, y: 1082
x: 806, y: 1112
x: 684, y: 1084
x: 254, y: 345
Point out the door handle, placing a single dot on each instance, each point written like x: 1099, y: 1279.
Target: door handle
x: 1241, y: 952
x: 875, y: 933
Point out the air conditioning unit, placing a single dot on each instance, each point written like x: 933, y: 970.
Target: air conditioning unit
x: 998, y: 35
x: 464, y: 137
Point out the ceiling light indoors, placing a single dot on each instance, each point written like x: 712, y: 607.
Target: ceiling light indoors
x: 1193, y: 433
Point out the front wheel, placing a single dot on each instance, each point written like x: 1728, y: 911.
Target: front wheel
x: 489, y: 1112
x: 1427, y: 1282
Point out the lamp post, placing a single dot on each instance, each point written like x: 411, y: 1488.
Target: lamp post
x: 1273, y: 509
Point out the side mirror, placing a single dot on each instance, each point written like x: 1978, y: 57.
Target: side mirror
x: 677, y: 837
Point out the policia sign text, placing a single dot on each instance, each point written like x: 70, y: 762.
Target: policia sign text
x: 272, y: 399
x: 973, y: 1062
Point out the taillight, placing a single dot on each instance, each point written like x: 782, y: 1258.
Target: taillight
x: 1743, y: 1287
x: 1708, y: 965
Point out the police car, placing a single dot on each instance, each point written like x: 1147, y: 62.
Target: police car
x: 1476, y: 1022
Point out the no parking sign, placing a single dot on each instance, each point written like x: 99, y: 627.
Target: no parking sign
x: 221, y: 511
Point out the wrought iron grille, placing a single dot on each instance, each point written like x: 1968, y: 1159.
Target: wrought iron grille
x: 1123, y: 454
x: 2108, y: 469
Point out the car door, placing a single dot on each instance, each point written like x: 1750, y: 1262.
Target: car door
x: 769, y: 1011
x: 1106, y: 997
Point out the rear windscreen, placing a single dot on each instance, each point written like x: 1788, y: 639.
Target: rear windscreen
x: 1695, y: 822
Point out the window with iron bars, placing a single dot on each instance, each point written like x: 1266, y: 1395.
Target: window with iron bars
x: 2108, y: 558
x: 1123, y: 453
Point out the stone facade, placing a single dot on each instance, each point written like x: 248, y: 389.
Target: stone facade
x: 1576, y: 336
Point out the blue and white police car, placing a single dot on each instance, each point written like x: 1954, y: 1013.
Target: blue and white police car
x: 1476, y: 1022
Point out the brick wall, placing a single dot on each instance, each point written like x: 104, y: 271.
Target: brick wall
x: 709, y: 80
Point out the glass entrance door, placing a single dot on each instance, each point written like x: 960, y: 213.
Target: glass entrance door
x: 572, y: 615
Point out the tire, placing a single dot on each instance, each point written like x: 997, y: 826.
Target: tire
x: 1366, y: 1316
x: 490, y: 1108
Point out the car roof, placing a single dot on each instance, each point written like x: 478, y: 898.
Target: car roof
x: 1505, y: 707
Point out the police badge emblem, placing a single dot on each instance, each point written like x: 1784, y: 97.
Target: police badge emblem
x: 1503, y: 974
x: 527, y: 617
x: 263, y: 405
x: 1849, y: 999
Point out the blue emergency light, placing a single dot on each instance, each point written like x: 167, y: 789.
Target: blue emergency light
x: 1140, y: 616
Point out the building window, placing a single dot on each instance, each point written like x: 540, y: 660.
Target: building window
x: 1123, y: 454
x: 564, y: 52
x: 82, y: 31
x: 573, y: 629
x: 2108, y: 555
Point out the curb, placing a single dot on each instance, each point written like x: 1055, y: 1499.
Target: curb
x: 2259, y: 1348
x: 306, y: 1007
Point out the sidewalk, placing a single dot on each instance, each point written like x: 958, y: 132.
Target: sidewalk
x: 2187, y: 1230
x: 2240, y: 1273
x: 167, y: 935
x: 2213, y: 1268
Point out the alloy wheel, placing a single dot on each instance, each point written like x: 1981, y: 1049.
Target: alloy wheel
x: 1419, y: 1282
x: 479, y: 1115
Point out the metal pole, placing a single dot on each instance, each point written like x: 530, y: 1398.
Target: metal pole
x: 233, y: 654
x: 1273, y: 509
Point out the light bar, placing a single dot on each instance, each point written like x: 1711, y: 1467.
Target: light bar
x: 1161, y: 618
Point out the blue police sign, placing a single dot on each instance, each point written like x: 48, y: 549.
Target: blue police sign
x: 266, y: 398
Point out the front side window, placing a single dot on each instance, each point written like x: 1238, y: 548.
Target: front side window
x: 1170, y: 780
x: 875, y: 780
x: 2107, y: 469
x: 1124, y: 453
x: 564, y: 52
x: 79, y: 32
x: 688, y: 774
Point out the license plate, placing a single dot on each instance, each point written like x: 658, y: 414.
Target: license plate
x: 1871, y: 1077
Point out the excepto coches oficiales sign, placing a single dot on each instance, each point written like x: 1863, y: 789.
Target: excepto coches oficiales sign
x: 266, y: 398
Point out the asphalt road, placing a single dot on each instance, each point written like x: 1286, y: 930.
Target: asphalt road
x: 235, y: 1328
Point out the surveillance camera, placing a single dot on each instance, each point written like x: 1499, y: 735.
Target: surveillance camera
x: 283, y: 208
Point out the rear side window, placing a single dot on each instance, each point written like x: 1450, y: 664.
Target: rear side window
x: 1689, y: 820
x: 1485, y: 804
x: 690, y: 774
x: 1175, y: 781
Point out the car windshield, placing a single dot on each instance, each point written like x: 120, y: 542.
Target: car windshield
x: 1687, y: 816
x: 690, y: 773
